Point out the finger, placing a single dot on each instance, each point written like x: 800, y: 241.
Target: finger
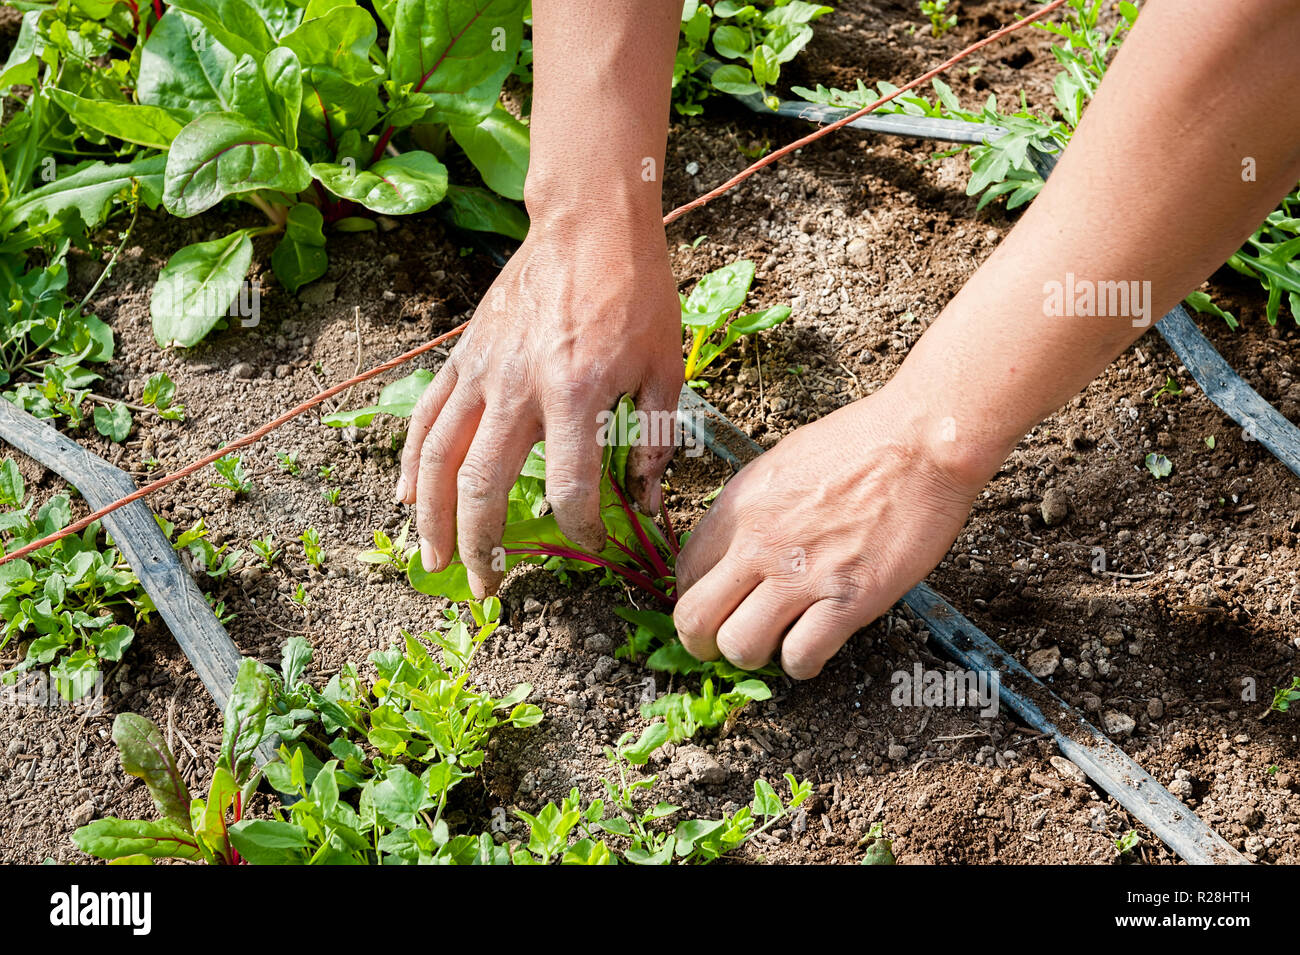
x: 700, y: 612
x: 750, y: 636
x: 816, y: 637
x: 705, y: 547
x: 573, y: 463
x: 483, y: 484
x: 646, y: 460
x: 423, y: 416
x: 440, y: 458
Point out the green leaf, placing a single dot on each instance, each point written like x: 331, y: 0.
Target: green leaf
x: 498, y: 148
x: 397, y: 185
x: 734, y: 79
x: 397, y: 399
x: 87, y: 193
x: 282, y: 75
x: 122, y: 838
x: 150, y: 126
x: 185, y: 69
x: 268, y: 842
x: 144, y: 754
x: 651, y: 738
x: 1159, y: 466
x: 482, y: 211
x: 12, y: 488
x: 236, y: 24
x: 723, y: 290
x: 400, y: 796
x: 245, y: 719
x: 196, y: 287
x: 458, y: 52
x: 222, y: 154
x: 300, y: 256
x: 339, y: 38
x: 114, y: 423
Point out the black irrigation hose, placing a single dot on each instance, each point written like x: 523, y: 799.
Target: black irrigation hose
x: 1105, y: 763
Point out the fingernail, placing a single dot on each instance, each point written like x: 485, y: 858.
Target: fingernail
x: 428, y: 557
x: 399, y: 495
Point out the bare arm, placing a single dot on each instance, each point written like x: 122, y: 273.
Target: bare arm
x: 807, y: 545
x: 584, y: 312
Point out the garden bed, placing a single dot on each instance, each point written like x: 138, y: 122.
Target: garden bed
x: 867, y: 244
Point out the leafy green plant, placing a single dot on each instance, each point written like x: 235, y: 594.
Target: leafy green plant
x: 388, y: 552
x: 1128, y: 842
x: 1283, y: 697
x: 311, y: 547
x: 753, y: 40
x: 936, y: 11
x: 708, y: 310
x: 331, y: 495
x: 265, y: 549
x: 1170, y: 389
x: 1272, y: 257
x: 880, y: 850
x: 1159, y: 465
x: 189, y: 828
x: 216, y: 562
x: 233, y: 476
x: 288, y: 462
x: 68, y: 596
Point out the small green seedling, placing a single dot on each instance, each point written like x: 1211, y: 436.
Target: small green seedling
x: 1284, y: 697
x: 160, y: 394
x: 331, y: 495
x: 265, y: 548
x: 389, y: 552
x: 1159, y: 466
x: 233, y: 476
x: 880, y: 851
x: 1210, y: 442
x: 940, y: 20
x: 326, y: 472
x: 311, y: 547
x: 1128, y: 842
x: 1170, y: 387
x: 288, y: 462
x: 300, y: 596
x: 707, y: 315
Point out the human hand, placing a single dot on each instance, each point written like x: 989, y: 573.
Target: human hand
x: 818, y: 537
x: 583, y: 313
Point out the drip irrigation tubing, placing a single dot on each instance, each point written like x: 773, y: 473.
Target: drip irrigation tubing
x: 1082, y: 743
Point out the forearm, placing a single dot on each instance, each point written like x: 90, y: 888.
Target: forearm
x: 1150, y: 190
x: 601, y: 85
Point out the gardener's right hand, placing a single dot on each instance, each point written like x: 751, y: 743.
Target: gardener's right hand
x: 584, y: 312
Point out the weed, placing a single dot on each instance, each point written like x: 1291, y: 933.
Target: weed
x: 936, y: 11
x: 266, y: 550
x: 288, y: 462
x: 311, y: 547
x: 233, y: 477
x: 1285, y: 696
x: 388, y: 552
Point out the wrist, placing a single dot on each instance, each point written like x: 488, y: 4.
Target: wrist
x: 577, y: 201
x: 958, y: 444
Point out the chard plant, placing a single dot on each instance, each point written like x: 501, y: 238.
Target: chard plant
x: 189, y: 827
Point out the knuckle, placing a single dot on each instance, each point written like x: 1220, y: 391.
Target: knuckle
x: 433, y: 454
x: 475, y: 482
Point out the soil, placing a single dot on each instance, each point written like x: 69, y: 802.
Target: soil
x: 1180, y: 637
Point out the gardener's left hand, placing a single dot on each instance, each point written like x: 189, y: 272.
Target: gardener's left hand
x: 818, y: 537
